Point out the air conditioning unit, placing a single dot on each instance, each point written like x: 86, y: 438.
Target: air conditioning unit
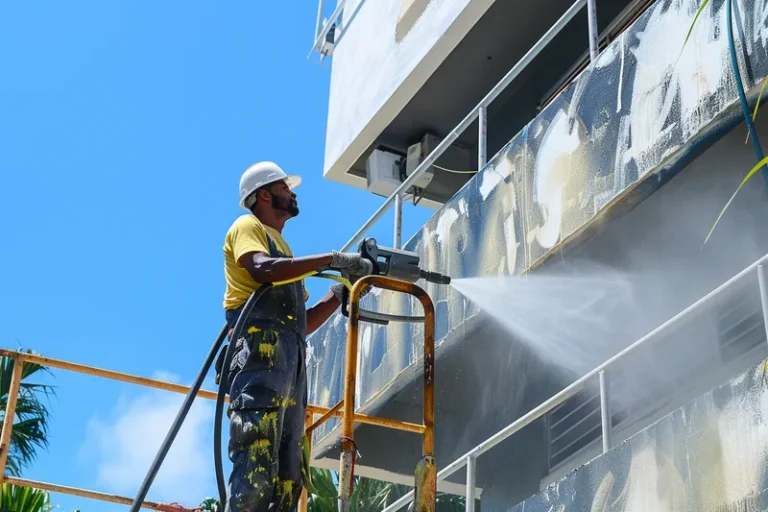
x: 454, y: 157
x: 383, y: 172
x: 416, y: 154
x: 384, y: 165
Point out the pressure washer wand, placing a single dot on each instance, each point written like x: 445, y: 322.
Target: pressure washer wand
x: 396, y: 263
x: 434, y: 277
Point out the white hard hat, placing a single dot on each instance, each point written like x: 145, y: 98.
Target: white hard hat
x: 260, y: 174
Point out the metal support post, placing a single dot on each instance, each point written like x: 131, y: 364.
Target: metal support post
x: 592, y: 16
x: 319, y: 23
x: 327, y: 27
x: 398, y: 221
x: 470, y: 499
x: 605, y: 411
x: 425, y: 492
x: 10, y: 411
x: 304, y: 498
x: 482, y: 139
x: 763, y: 295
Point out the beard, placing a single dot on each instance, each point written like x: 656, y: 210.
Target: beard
x: 285, y: 205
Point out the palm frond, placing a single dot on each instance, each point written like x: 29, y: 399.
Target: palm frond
x: 322, y: 479
x: 704, y: 3
x: 370, y: 494
x: 31, y: 416
x: 757, y: 104
x: 29, y: 369
x: 24, y: 499
x: 751, y: 173
x: 209, y: 505
x: 452, y: 503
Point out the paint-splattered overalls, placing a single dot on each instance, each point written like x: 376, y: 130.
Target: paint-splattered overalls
x: 268, y: 392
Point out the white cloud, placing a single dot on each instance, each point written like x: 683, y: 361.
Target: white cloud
x: 125, y: 442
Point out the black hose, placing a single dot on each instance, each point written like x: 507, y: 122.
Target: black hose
x: 180, y: 417
x: 223, y: 388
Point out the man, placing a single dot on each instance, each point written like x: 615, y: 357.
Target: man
x: 268, y: 385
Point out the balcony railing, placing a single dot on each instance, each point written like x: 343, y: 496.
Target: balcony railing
x: 600, y: 373
x: 477, y: 113
x: 322, y: 30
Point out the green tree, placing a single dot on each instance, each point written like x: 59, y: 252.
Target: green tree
x: 30, y: 432
x: 370, y: 494
x: 14, y: 498
x: 30, y: 428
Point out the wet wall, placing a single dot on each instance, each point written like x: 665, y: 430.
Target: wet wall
x: 486, y: 378
x: 658, y: 247
x: 710, y: 455
x: 617, y: 134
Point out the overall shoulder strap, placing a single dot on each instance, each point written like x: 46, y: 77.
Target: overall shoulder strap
x: 273, y: 250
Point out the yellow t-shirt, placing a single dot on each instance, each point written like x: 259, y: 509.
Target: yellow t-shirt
x: 247, y: 234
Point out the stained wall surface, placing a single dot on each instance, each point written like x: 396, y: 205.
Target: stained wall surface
x: 710, y: 455
x: 386, y: 49
x: 655, y: 252
x: 487, y: 377
x: 610, y: 139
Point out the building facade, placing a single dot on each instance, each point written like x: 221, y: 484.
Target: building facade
x: 618, y: 156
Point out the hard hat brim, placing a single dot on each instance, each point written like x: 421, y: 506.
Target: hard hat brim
x: 293, y: 181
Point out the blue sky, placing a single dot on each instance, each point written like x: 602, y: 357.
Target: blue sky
x: 124, y: 128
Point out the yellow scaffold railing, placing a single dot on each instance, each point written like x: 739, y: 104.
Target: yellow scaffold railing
x: 21, y: 358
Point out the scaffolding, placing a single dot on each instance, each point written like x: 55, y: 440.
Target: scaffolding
x: 21, y: 358
x: 344, y: 409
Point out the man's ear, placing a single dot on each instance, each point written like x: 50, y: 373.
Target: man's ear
x: 265, y: 194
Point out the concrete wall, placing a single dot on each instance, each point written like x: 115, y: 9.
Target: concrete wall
x: 710, y: 455
x: 656, y: 250
x: 387, y: 50
x: 614, y: 136
x: 486, y: 377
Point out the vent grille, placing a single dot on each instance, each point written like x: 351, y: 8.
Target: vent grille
x: 738, y: 322
x: 740, y: 325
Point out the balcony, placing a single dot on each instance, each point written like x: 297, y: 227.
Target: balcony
x: 627, y: 167
x: 391, y: 85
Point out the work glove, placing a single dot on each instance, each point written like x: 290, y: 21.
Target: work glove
x: 338, y: 291
x: 351, y: 264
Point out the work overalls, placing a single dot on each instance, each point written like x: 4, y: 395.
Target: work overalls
x: 268, y: 397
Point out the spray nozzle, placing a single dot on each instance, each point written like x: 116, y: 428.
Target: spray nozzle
x: 434, y: 277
